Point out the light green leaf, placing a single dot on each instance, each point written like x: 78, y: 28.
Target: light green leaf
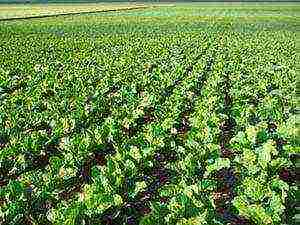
x: 265, y: 153
x: 217, y: 165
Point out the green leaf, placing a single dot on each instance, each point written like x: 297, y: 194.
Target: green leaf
x: 219, y: 163
x: 253, y: 211
x: 265, y: 153
x: 254, y: 189
x: 276, y: 207
x: 281, y: 185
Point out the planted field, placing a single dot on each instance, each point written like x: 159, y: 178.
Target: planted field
x: 167, y: 115
x: 10, y: 11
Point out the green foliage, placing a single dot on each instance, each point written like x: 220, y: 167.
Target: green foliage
x: 98, y: 111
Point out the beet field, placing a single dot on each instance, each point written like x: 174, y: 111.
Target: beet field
x: 171, y: 114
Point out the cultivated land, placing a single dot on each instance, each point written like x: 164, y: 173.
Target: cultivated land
x: 11, y: 11
x: 179, y: 114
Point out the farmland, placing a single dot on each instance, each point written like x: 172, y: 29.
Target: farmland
x: 14, y: 11
x: 174, y: 114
